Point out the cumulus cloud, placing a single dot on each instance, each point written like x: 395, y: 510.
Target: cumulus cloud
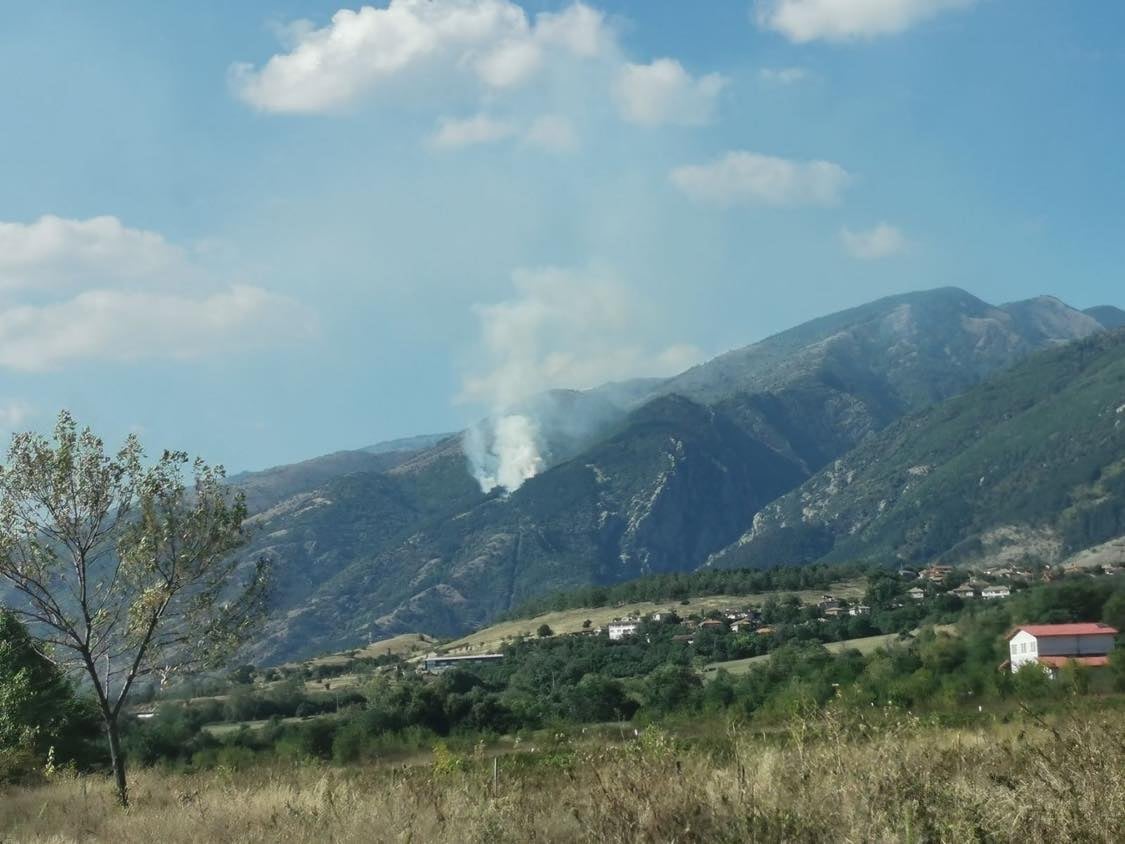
x: 358, y: 52
x: 561, y: 329
x: 741, y: 177
x: 479, y: 129
x: 97, y: 290
x: 783, y: 75
x: 664, y: 93
x: 881, y: 241
x: 844, y: 20
x: 53, y: 252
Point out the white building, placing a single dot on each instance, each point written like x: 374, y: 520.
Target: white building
x: 997, y: 591
x: 621, y: 629
x: 1054, y: 645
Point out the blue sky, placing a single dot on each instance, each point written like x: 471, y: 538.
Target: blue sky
x: 267, y: 230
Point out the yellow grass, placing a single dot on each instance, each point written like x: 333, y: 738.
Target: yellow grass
x: 885, y: 779
x: 866, y: 645
x: 570, y: 621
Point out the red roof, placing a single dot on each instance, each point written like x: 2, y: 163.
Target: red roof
x: 1060, y: 661
x: 1083, y: 629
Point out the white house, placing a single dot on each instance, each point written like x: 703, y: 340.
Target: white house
x: 916, y: 593
x: 1054, y: 645
x: 995, y: 591
x: 621, y: 629
x: 859, y: 609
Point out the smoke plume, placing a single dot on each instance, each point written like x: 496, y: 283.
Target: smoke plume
x: 562, y: 330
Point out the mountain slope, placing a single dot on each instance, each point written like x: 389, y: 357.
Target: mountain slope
x: 1030, y: 463
x: 658, y: 487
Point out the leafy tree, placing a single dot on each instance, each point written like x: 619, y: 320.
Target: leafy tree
x: 544, y: 631
x: 39, y: 712
x: 122, y: 569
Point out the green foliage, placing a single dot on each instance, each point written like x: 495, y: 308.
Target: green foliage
x: 1038, y: 446
x: 41, y: 718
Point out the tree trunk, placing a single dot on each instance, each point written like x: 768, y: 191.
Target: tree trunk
x: 118, y: 760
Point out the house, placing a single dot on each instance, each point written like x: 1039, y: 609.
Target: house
x: 744, y: 625
x: 835, y: 612
x: 859, y: 609
x: 827, y: 602
x: 621, y: 628
x: 937, y: 573
x: 712, y: 624
x: 438, y: 664
x: 995, y: 591
x: 965, y: 591
x: 1054, y: 645
x: 917, y: 593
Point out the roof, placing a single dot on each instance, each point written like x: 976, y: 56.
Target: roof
x: 1082, y: 629
x: 1060, y: 661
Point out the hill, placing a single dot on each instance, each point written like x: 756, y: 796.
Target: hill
x: 671, y: 473
x: 1030, y: 464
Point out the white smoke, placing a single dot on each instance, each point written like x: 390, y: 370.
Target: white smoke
x: 506, y: 454
x: 562, y: 329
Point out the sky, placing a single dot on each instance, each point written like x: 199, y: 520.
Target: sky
x: 266, y: 230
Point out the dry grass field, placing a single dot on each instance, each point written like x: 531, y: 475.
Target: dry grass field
x: 866, y: 645
x: 832, y: 779
x: 570, y: 621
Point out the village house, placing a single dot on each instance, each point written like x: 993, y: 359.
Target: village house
x: 996, y: 590
x: 859, y: 609
x: 916, y: 592
x: 937, y: 573
x: 712, y: 624
x: 744, y: 625
x: 965, y: 591
x: 1054, y: 645
x: 622, y: 627
x: 828, y: 602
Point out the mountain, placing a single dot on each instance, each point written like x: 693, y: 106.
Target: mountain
x: 1028, y: 465
x: 1107, y: 315
x: 268, y: 487
x: 642, y: 477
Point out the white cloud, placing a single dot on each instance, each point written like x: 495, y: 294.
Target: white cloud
x: 749, y: 178
x: 783, y: 75
x: 53, y: 252
x: 663, y: 92
x: 882, y: 241
x: 479, y: 129
x: 564, y: 329
x: 845, y: 20
x: 553, y: 133
x: 89, y: 290
x: 361, y: 51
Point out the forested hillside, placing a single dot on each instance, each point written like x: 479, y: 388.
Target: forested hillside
x: 1029, y: 464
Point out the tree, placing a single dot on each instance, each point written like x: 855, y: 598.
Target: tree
x: 122, y: 570
x: 544, y: 631
x: 39, y: 712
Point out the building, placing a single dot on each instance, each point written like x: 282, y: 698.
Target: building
x: 828, y: 602
x: 1054, y: 645
x: 712, y: 624
x: 744, y: 625
x: 438, y: 664
x: 621, y: 629
x: 965, y: 591
x: 937, y: 573
x: 917, y: 593
x: 859, y: 609
x: 995, y: 591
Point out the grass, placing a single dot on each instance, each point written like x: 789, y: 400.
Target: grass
x: 837, y: 777
x: 570, y: 621
x: 866, y: 645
